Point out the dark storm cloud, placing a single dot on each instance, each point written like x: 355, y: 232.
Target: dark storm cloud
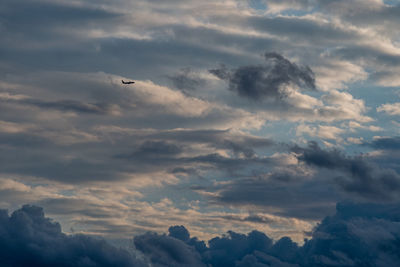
x: 221, y: 251
x: 361, y: 234
x: 265, y: 81
x: 386, y: 143
x: 361, y: 177
x: 289, y: 197
x: 226, y: 250
x: 357, y: 235
x: 293, y: 195
x: 333, y: 159
x: 259, y: 259
x: 163, y: 250
x: 179, y: 232
x: 28, y: 238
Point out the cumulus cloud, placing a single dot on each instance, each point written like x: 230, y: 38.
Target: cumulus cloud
x: 321, y: 131
x: 344, y: 105
x: 28, y: 238
x: 356, y: 235
x: 167, y: 251
x: 221, y: 251
x: 391, y: 109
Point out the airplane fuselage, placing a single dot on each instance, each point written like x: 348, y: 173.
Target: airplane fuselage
x: 129, y: 82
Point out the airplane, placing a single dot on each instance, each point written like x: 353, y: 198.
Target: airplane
x: 129, y: 82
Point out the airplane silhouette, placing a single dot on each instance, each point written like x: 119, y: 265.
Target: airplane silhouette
x: 127, y: 82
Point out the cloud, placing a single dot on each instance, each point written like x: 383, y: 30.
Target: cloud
x: 28, y: 238
x: 334, y: 73
x: 66, y: 120
x: 352, y: 125
x: 326, y: 175
x: 362, y: 178
x: 279, y: 194
x: 355, y: 140
x: 187, y: 80
x: 226, y: 250
x: 163, y: 250
x: 386, y: 143
x: 154, y: 149
x: 266, y: 81
x: 324, y: 132
x: 391, y: 109
x: 357, y: 235
x: 161, y: 116
x: 173, y: 250
x: 344, y: 105
x: 275, y: 91
x: 65, y: 105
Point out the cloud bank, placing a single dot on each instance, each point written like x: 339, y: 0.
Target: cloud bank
x: 356, y: 235
x: 28, y: 238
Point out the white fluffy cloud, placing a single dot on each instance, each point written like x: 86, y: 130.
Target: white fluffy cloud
x: 391, y: 109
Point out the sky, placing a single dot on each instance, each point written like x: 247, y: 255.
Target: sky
x: 248, y: 120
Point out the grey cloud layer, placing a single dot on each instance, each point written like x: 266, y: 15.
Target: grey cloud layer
x: 279, y: 190
x: 363, y: 178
